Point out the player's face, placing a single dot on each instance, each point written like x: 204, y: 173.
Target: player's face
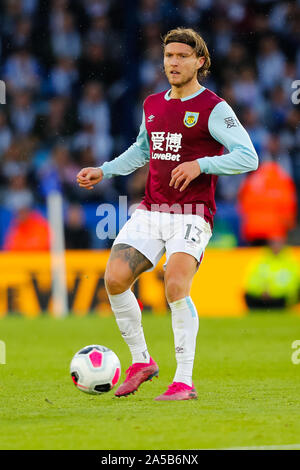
x: 181, y: 63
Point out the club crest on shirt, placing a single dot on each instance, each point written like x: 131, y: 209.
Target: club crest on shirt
x: 190, y: 118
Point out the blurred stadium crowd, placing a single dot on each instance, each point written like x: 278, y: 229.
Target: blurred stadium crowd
x: 76, y: 75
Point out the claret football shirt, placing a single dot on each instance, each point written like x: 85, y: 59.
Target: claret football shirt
x: 174, y: 131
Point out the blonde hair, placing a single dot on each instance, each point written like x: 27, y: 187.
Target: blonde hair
x: 191, y: 38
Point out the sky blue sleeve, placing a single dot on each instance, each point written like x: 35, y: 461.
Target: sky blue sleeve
x: 137, y: 155
x: 225, y: 127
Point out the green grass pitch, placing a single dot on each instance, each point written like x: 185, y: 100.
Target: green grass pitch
x: 247, y: 384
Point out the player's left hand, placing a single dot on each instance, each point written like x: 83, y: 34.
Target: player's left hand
x: 185, y: 172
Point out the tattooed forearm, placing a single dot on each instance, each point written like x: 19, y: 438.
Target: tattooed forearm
x: 136, y: 261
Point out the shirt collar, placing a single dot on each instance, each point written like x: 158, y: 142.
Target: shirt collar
x: 186, y: 98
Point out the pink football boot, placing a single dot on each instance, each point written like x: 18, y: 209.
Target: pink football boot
x: 178, y: 391
x: 136, y: 374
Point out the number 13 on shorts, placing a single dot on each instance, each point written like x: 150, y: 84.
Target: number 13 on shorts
x: 193, y: 233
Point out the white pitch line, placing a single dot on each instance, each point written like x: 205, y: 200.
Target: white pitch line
x: 269, y: 447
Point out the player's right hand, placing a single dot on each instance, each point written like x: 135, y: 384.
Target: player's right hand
x: 88, y: 177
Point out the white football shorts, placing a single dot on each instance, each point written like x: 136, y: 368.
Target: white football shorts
x: 153, y: 233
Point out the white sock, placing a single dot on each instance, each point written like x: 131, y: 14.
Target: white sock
x: 129, y: 319
x: 185, y: 323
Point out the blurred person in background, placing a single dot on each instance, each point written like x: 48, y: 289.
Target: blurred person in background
x: 93, y: 108
x: 101, y: 144
x: 56, y: 14
x: 5, y: 134
x: 275, y: 151
x: 246, y: 88
x: 17, y: 158
x: 273, y: 278
x: 17, y: 32
x: 277, y: 109
x: 77, y: 237
x: 290, y: 138
x: 232, y: 64
x: 64, y: 77
x: 29, y: 230
x: 66, y: 40
x: 103, y: 34
x: 258, y: 133
x: 222, y: 35
x: 22, y: 71
x: 56, y: 122
x: 96, y: 64
x: 150, y: 67
x: 190, y: 12
x: 17, y: 191
x: 149, y: 11
x: 270, y: 63
x: 22, y: 113
x: 136, y: 186
x: 19, y: 35
x: 267, y: 204
x: 96, y: 7
x: 58, y: 171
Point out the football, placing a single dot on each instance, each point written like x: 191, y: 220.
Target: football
x: 95, y: 369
